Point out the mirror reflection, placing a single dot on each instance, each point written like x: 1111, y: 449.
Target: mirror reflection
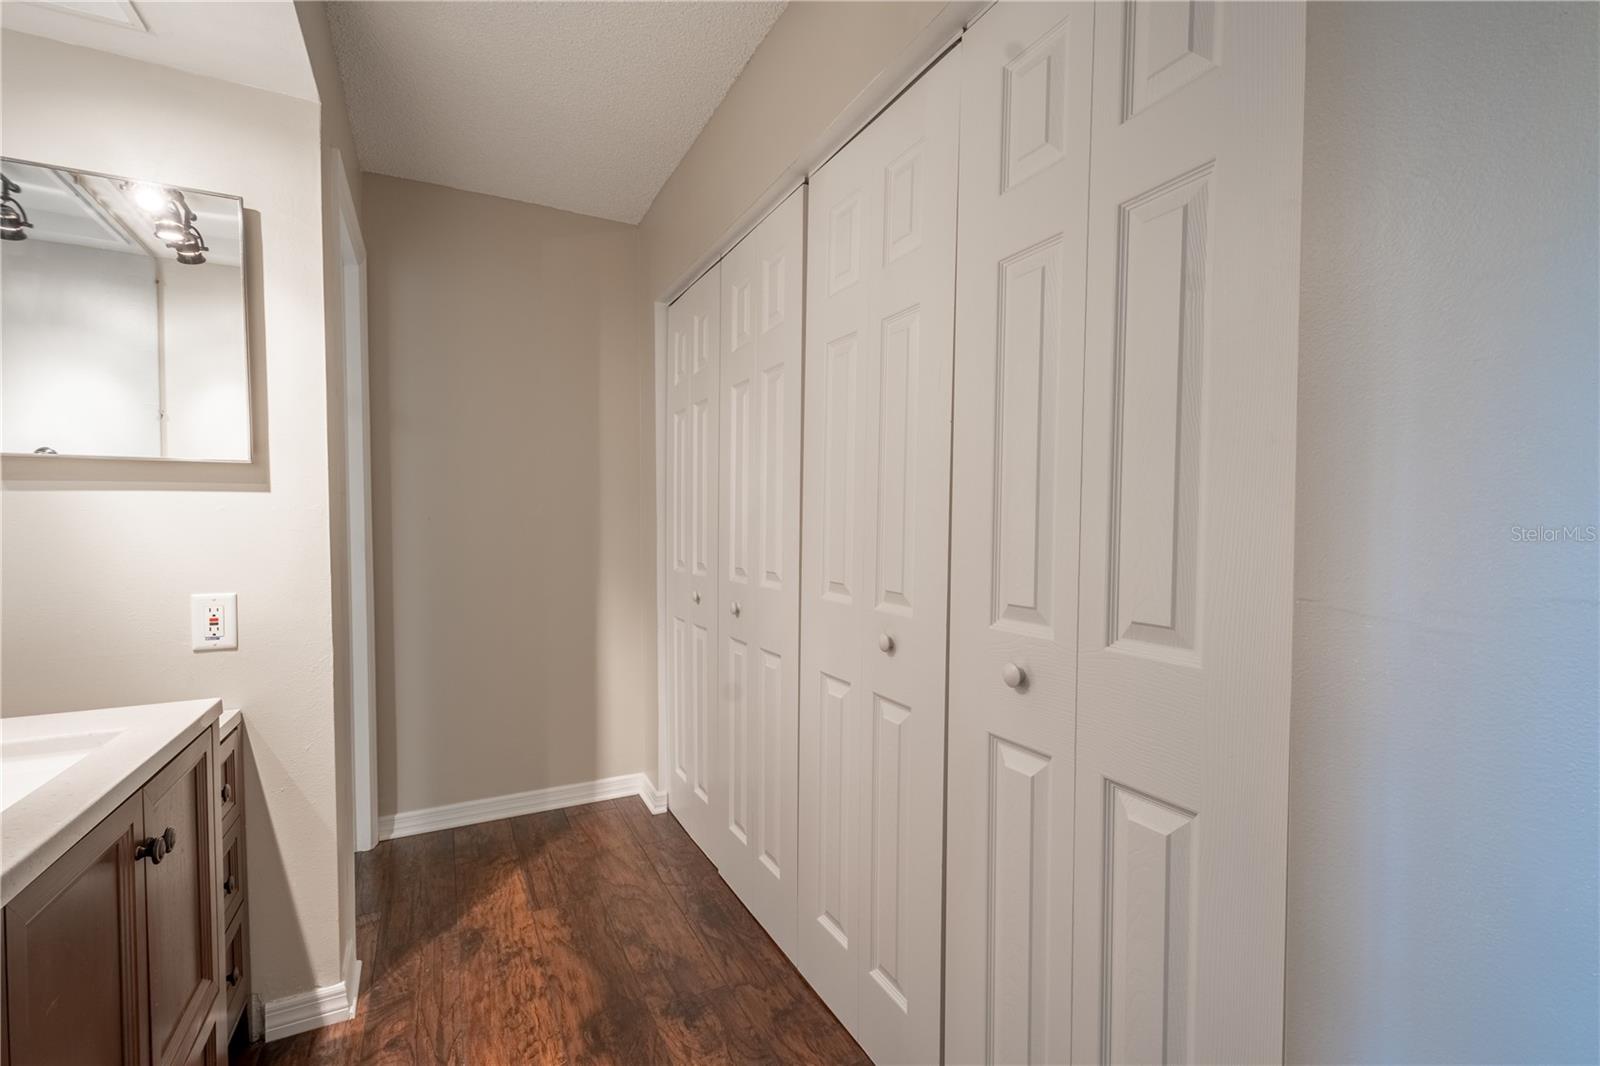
x: 122, y: 318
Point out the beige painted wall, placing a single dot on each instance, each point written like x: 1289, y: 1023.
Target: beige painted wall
x: 132, y: 540
x: 509, y: 385
x: 1443, y: 775
x: 512, y: 595
x: 816, y: 59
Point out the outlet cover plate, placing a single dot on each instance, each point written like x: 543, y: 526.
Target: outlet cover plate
x: 214, y: 621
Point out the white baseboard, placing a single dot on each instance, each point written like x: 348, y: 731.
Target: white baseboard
x: 352, y: 974
x: 455, y: 815
x: 303, y: 1011
x: 654, y: 798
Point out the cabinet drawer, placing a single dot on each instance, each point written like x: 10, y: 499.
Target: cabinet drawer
x: 237, y: 968
x: 230, y: 773
x: 233, y: 878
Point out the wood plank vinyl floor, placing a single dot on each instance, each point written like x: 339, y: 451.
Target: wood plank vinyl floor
x: 596, y: 934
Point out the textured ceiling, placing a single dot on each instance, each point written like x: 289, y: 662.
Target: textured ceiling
x: 587, y: 107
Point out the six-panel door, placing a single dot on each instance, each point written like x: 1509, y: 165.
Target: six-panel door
x: 692, y: 544
x: 759, y: 563
x: 874, y: 568
x: 1014, y: 532
x: 1185, y: 561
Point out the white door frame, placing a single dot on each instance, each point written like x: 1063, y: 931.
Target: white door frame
x: 934, y: 40
x: 358, y: 513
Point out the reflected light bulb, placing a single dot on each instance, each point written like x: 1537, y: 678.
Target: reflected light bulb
x: 152, y: 199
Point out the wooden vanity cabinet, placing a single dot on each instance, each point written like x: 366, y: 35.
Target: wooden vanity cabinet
x: 114, y: 953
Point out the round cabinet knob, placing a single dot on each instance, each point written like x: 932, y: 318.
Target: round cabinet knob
x: 885, y: 643
x: 1013, y: 675
x: 227, y: 792
x: 233, y: 976
x: 228, y: 885
x: 156, y: 848
x: 695, y: 596
x: 733, y: 609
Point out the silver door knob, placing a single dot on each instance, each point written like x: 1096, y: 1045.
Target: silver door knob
x: 733, y: 608
x: 885, y: 643
x: 695, y: 596
x: 1013, y: 675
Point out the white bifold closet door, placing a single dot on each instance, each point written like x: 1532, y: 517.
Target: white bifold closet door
x: 1123, y: 491
x: 874, y: 566
x: 692, y: 408
x: 759, y: 649
x: 1014, y: 531
x: 1187, y: 543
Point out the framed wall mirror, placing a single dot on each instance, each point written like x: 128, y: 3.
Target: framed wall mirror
x: 122, y: 318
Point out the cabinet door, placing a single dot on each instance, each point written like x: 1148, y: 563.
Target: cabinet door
x: 875, y: 570
x: 1185, y: 585
x: 1014, y: 531
x: 692, y: 408
x: 759, y: 563
x: 205, y: 1049
x: 182, y: 919
x: 75, y: 953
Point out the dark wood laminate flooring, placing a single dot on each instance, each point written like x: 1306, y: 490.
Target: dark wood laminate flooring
x: 597, y: 934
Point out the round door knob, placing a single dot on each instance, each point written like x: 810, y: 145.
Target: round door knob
x: 733, y: 609
x: 885, y: 643
x: 695, y: 596
x: 1013, y: 675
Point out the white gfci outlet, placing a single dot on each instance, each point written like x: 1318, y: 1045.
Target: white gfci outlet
x: 214, y: 621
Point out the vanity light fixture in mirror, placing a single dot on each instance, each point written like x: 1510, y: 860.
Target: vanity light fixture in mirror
x: 122, y: 318
x: 174, y: 222
x: 13, y: 219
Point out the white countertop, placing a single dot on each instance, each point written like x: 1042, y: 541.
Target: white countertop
x: 68, y: 771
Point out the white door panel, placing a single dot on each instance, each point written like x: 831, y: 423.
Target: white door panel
x: 874, y: 546
x: 762, y: 312
x: 694, y: 681
x: 1187, y: 532
x: 1014, y: 532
